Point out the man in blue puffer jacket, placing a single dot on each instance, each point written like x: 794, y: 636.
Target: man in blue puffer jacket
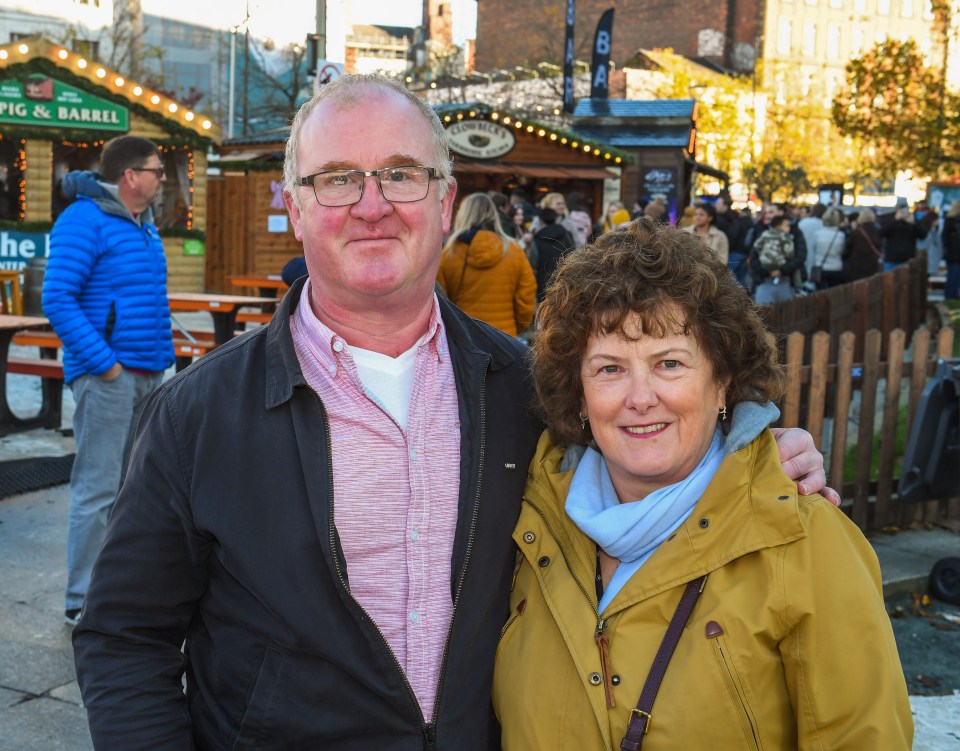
x: 105, y: 293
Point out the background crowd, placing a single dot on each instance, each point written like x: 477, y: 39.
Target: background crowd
x: 781, y: 252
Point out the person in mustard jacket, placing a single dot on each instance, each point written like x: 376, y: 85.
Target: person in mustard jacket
x: 639, y: 487
x: 484, y: 271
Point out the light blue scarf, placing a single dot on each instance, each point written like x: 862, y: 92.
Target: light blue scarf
x: 631, y: 532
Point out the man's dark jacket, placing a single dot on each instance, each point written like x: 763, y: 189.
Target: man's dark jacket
x: 223, y: 536
x: 900, y: 240
x: 553, y: 243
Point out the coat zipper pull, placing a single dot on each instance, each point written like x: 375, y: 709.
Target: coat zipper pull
x: 429, y: 737
x: 601, y: 638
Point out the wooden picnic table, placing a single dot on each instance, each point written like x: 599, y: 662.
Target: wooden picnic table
x: 222, y: 308
x: 52, y: 384
x: 267, y: 285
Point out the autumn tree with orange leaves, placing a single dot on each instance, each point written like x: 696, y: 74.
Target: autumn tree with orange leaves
x: 900, y: 110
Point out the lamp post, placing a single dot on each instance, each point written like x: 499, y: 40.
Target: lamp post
x: 234, y: 30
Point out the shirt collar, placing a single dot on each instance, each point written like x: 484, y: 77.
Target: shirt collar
x: 333, y: 346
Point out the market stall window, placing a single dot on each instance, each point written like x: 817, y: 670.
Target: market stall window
x: 174, y: 204
x: 11, y: 180
x: 69, y: 157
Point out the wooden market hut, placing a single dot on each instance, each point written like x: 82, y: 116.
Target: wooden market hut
x: 57, y: 109
x: 661, y: 136
x: 492, y: 150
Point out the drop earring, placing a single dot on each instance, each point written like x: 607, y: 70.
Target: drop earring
x: 583, y: 421
x: 723, y: 414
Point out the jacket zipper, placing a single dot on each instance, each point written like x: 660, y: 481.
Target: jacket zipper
x: 731, y: 679
x: 466, y: 557
x: 428, y: 730
x: 600, y: 635
x: 604, y: 645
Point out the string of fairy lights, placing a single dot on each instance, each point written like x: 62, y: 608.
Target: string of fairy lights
x: 131, y: 90
x: 150, y: 99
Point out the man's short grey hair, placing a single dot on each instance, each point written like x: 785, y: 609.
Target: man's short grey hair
x: 351, y: 89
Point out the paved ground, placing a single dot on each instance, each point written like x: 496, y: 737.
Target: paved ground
x: 40, y: 708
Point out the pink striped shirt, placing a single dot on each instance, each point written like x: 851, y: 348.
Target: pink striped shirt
x: 395, y: 492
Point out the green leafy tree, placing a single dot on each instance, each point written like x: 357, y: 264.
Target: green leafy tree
x: 774, y: 179
x: 899, y: 108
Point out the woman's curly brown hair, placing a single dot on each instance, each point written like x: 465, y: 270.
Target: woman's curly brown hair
x: 672, y: 282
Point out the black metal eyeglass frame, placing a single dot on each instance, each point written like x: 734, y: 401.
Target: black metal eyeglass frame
x: 432, y: 173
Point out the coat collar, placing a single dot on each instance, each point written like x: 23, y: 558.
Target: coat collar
x: 750, y: 505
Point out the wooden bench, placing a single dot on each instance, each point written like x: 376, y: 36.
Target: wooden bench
x: 51, y: 373
x: 42, y: 339
x: 185, y: 351
x: 250, y: 316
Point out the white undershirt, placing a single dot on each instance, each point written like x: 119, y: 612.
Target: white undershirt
x: 388, y: 379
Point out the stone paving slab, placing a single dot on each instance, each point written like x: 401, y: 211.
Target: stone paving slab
x: 44, y: 724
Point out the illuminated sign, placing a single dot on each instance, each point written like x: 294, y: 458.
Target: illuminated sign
x: 44, y: 101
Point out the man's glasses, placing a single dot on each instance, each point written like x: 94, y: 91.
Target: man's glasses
x: 158, y: 171
x: 345, y: 187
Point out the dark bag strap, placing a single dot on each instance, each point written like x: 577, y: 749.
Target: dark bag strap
x: 867, y: 238
x: 640, y: 718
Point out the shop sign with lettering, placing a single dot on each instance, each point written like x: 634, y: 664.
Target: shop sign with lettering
x: 481, y: 139
x: 41, y: 100
x: 17, y: 248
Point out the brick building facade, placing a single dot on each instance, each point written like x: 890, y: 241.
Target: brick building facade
x: 527, y: 32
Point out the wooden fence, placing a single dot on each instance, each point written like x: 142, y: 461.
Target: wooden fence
x: 852, y: 375
x: 846, y: 403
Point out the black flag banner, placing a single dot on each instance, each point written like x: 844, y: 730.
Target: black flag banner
x: 600, y: 66
x: 568, y: 62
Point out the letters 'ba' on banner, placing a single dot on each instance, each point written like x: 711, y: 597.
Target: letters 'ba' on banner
x: 600, y: 65
x: 568, y: 62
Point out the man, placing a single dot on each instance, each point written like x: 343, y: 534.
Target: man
x: 551, y: 243
x: 736, y: 227
x: 105, y: 293
x: 323, y: 509
x: 900, y: 238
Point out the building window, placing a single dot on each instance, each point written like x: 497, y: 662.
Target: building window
x: 86, y: 47
x: 810, y: 38
x: 836, y: 3
x: 833, y: 41
x: 857, y: 42
x: 928, y: 11
x: 860, y: 6
x: 906, y: 8
x: 784, y: 32
x: 883, y: 7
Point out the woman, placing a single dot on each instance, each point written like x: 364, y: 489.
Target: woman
x: 646, y: 348
x: 704, y: 215
x: 558, y: 203
x: 862, y: 256
x: 951, y: 251
x: 484, y: 272
x: 614, y: 216
x: 827, y: 251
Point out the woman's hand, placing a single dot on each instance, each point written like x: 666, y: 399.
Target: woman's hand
x: 803, y: 463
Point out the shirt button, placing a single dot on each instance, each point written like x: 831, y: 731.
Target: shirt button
x: 413, y: 455
x: 332, y: 369
x: 414, y: 616
x: 414, y: 535
x: 338, y: 346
